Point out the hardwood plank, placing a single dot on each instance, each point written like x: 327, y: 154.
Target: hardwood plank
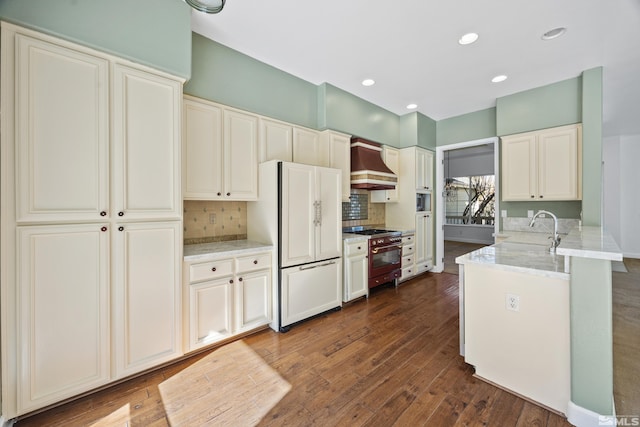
x: 532, y: 416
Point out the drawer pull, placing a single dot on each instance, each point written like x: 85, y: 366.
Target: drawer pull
x: 230, y: 280
x: 239, y: 279
x: 255, y: 261
x: 120, y: 213
x: 121, y: 228
x: 213, y: 269
x: 359, y: 248
x: 103, y: 213
x: 103, y: 229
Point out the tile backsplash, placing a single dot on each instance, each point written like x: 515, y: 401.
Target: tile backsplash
x: 353, y: 213
x: 214, y: 221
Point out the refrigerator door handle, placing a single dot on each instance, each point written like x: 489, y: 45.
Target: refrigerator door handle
x: 320, y: 213
x: 316, y: 219
x: 314, y: 266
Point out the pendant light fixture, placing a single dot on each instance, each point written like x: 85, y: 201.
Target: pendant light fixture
x: 206, y: 6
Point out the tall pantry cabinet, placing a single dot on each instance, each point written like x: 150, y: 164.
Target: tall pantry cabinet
x: 91, y: 232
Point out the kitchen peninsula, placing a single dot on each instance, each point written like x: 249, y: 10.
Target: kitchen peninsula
x: 525, y: 313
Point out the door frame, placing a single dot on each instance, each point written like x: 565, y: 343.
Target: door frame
x: 440, y: 215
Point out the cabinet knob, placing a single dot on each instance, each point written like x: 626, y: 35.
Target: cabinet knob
x: 239, y: 279
x: 541, y: 196
x: 228, y: 194
x: 219, y: 193
x: 359, y: 248
x: 103, y: 213
x: 103, y: 229
x: 213, y: 269
x: 533, y: 197
x: 388, y: 198
x: 121, y: 228
x: 255, y: 261
x: 120, y: 213
x: 230, y: 280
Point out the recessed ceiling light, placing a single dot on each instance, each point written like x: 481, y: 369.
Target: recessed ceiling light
x: 368, y: 82
x: 498, y: 79
x: 555, y: 33
x: 468, y: 38
x: 412, y: 106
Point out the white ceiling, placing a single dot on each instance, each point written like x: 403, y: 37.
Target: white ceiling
x: 410, y: 48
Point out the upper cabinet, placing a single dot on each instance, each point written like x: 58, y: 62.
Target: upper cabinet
x: 306, y: 147
x: 543, y: 165
x: 424, y: 169
x: 336, y: 148
x: 391, y: 157
x: 220, y: 152
x: 276, y: 141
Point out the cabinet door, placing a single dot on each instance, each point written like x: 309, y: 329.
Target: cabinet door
x: 299, y: 220
x: 146, y: 141
x: 339, y: 157
x: 210, y: 310
x: 240, y: 156
x: 62, y: 134
x: 62, y: 312
x: 253, y: 300
x: 306, y: 147
x: 356, y: 283
x: 202, y: 165
x: 276, y: 141
x: 558, y: 160
x: 519, y: 167
x: 146, y: 295
x: 424, y: 170
x: 424, y: 238
x: 329, y: 229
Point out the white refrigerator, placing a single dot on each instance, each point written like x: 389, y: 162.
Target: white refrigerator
x: 299, y: 211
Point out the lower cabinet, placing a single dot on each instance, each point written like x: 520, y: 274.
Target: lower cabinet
x: 90, y: 312
x: 225, y: 297
x: 424, y: 242
x: 356, y: 269
x: 408, y: 256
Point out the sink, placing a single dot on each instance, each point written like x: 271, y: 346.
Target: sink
x: 524, y: 247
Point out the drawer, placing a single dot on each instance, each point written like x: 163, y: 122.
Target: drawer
x: 257, y: 261
x: 407, y: 273
x: 407, y: 261
x: 356, y: 248
x: 408, y: 239
x: 424, y: 266
x: 408, y: 249
x: 210, y: 270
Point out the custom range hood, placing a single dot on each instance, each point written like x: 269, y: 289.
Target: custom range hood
x: 368, y: 170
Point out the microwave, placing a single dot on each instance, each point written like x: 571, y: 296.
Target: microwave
x: 423, y: 202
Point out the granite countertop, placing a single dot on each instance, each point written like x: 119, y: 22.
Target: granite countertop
x: 217, y: 250
x: 351, y: 237
x: 529, y: 252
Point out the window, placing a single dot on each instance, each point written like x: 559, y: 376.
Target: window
x: 470, y: 200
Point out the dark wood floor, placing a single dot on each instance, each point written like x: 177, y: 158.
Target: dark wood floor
x: 391, y: 360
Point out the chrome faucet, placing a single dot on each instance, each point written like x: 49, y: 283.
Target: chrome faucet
x: 556, y: 237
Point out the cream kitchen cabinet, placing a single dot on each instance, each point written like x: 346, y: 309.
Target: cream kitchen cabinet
x: 408, y: 256
x: 336, y: 149
x: 62, y: 312
x: 391, y: 157
x: 356, y: 268
x: 225, y: 297
x: 306, y: 147
x: 90, y: 168
x: 220, y: 152
x: 276, y: 141
x: 424, y: 242
x: 146, y: 295
x: 424, y: 169
x: 543, y: 165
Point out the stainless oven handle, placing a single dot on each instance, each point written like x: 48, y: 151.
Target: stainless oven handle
x: 376, y: 250
x: 314, y: 266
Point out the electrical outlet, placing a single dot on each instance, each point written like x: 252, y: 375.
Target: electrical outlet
x: 512, y: 302
x: 212, y: 218
x: 529, y: 214
x: 503, y: 213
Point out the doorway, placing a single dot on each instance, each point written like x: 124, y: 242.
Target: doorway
x: 472, y: 224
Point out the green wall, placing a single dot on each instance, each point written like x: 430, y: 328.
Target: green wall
x: 347, y: 113
x: 467, y: 127
x: 156, y: 33
x: 592, y: 147
x: 540, y: 108
x: 591, y: 335
x: 227, y: 76
x: 417, y: 129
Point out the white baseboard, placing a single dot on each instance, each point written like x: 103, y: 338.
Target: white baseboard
x: 7, y: 423
x: 582, y: 417
x: 631, y: 255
